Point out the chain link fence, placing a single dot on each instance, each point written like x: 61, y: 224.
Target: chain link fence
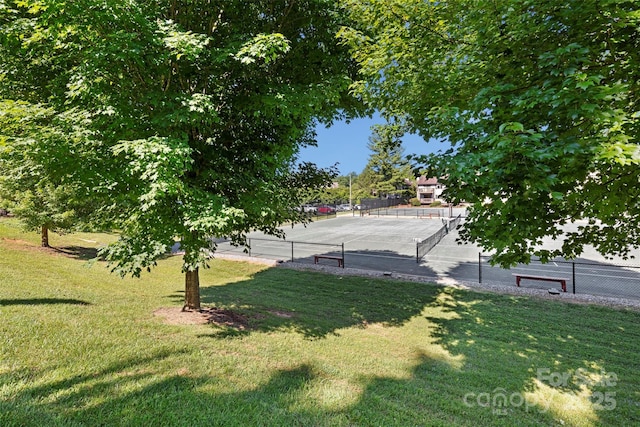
x: 286, y: 250
x: 408, y: 212
x: 367, y: 205
x: 582, y: 276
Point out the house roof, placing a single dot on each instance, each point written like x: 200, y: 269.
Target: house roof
x: 427, y: 181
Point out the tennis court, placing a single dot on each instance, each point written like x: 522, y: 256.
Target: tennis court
x: 389, y: 243
x: 382, y: 243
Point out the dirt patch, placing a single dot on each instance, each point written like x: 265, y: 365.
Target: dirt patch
x: 212, y: 315
x: 23, y: 245
x: 78, y: 252
x: 17, y: 243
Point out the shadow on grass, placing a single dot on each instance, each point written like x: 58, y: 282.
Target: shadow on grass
x: 79, y: 252
x: 101, y: 399
x: 127, y: 394
x: 500, y: 342
x: 552, y: 359
x: 316, y: 304
x: 71, y: 393
x: 42, y: 301
x: 569, y: 361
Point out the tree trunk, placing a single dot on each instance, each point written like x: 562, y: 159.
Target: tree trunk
x: 45, y: 237
x: 192, y: 290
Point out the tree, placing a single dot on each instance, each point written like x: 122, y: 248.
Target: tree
x: 33, y: 174
x: 343, y: 193
x: 387, y: 168
x: 346, y: 180
x: 197, y: 111
x: 539, y: 101
x: 44, y: 149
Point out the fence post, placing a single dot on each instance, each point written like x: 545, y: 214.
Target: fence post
x: 479, y: 267
x: 573, y: 279
x: 418, y: 252
x: 249, y: 241
x: 342, y: 254
x: 291, y: 251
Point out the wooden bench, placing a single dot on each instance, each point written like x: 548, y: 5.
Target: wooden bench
x: 562, y: 281
x: 338, y: 258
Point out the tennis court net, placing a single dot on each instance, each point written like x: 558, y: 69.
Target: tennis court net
x: 423, y: 247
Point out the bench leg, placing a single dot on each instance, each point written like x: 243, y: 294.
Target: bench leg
x: 564, y: 285
x: 517, y: 281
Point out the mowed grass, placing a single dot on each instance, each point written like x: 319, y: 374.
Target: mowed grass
x: 79, y: 346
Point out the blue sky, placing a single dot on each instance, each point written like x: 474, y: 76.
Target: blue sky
x: 346, y: 144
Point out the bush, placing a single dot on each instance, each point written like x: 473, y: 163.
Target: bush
x: 436, y: 204
x: 415, y: 201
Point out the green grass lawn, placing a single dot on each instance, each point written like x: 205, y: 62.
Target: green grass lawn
x: 79, y: 346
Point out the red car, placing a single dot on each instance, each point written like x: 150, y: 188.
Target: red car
x: 325, y: 209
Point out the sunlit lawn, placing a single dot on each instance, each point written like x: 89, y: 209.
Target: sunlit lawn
x: 80, y: 346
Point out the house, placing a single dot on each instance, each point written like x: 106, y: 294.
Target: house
x: 429, y: 190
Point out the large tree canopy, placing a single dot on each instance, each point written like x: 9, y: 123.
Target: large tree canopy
x: 539, y: 101
x: 196, y: 109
